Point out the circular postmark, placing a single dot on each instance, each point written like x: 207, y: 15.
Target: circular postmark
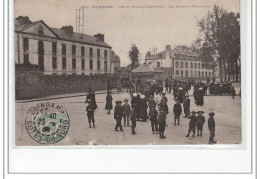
x: 47, y: 122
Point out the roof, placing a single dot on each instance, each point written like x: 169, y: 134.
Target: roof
x: 77, y: 37
x: 174, y: 54
x: 145, y: 68
x: 63, y: 35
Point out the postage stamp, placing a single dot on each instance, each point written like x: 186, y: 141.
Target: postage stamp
x: 47, y: 123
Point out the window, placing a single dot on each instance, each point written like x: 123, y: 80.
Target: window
x: 191, y: 74
x: 25, y: 44
x: 191, y: 65
x: 54, y: 48
x: 64, y: 63
x: 91, y: 64
x: 195, y: 65
x: 82, y: 64
x: 25, y: 58
x: 98, y: 65
x: 199, y: 74
x: 186, y: 74
x: 73, y: 50
x: 198, y: 65
x: 158, y: 64
x: 98, y: 54
x: 181, y: 74
x: 181, y: 64
x: 176, y: 72
x: 40, y: 47
x: 202, y: 74
x: 195, y: 74
x: 83, y: 51
x: 63, y: 49
x: 91, y: 53
x: 54, y: 63
x: 210, y: 74
x: 105, y: 66
x: 73, y: 64
x: 186, y: 65
x: 105, y: 54
x: 206, y: 74
x: 177, y: 64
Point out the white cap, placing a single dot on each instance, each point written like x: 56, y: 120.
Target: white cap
x: 134, y: 95
x: 142, y: 96
x: 180, y: 88
x: 200, y: 88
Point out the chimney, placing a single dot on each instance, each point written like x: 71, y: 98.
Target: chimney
x: 168, y: 52
x: 68, y: 29
x: 100, y: 37
x: 168, y: 48
x: 22, y: 20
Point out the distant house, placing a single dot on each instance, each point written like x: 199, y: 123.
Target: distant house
x: 180, y: 62
x: 60, y: 51
x: 115, y: 61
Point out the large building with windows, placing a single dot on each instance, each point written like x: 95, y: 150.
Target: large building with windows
x: 60, y: 51
x: 180, y: 62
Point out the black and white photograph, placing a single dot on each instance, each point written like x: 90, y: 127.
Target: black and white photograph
x: 127, y: 73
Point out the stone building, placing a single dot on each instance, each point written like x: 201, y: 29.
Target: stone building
x: 60, y: 51
x: 115, y: 62
x: 180, y: 62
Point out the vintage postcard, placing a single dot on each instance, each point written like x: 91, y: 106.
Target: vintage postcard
x: 127, y: 72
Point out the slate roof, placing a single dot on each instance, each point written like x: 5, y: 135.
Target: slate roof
x: 61, y: 34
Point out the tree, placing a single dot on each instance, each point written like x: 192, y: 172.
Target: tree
x: 221, y: 36
x: 148, y: 54
x: 133, y: 54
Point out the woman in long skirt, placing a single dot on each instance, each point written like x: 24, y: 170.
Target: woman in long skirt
x: 109, y: 105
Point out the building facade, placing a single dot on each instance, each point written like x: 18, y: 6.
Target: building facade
x: 60, y: 51
x: 115, y: 61
x: 180, y: 62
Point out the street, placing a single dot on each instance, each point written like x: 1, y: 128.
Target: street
x: 227, y: 118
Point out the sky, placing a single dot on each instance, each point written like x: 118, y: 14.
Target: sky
x: 147, y: 28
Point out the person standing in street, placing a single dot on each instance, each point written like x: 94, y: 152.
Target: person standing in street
x: 161, y: 121
x: 90, y: 113
x: 192, y: 124
x: 109, y: 105
x: 118, y: 114
x: 177, y: 112
x: 211, y: 126
x: 133, y: 119
x: 186, y: 106
x: 153, y: 118
x: 127, y: 111
x: 200, y: 122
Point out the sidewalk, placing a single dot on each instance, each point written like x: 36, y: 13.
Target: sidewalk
x: 60, y: 96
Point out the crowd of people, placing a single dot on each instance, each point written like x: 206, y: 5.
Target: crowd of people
x: 155, y: 108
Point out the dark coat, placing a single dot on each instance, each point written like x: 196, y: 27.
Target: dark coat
x: 177, y: 109
x: 90, y: 110
x: 143, y: 109
x: 164, y: 106
x: 118, y: 112
x: 193, y: 120
x: 211, y: 123
x: 109, y: 100
x: 200, y: 120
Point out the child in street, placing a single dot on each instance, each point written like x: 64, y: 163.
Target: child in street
x: 153, y: 118
x: 127, y: 111
x: 161, y: 121
x: 177, y: 110
x: 200, y: 121
x: 192, y: 124
x: 211, y: 126
x: 118, y: 114
x: 90, y: 113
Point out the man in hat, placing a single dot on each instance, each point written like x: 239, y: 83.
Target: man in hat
x: 180, y: 95
x: 133, y: 119
x: 90, y: 113
x: 127, y: 111
x: 164, y: 97
x: 118, y: 114
x: 177, y: 112
x: 200, y: 97
x: 165, y: 108
x: 161, y: 121
x: 192, y: 124
x: 186, y: 106
x: 200, y: 122
x: 211, y: 126
x: 143, y: 108
x: 153, y: 118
